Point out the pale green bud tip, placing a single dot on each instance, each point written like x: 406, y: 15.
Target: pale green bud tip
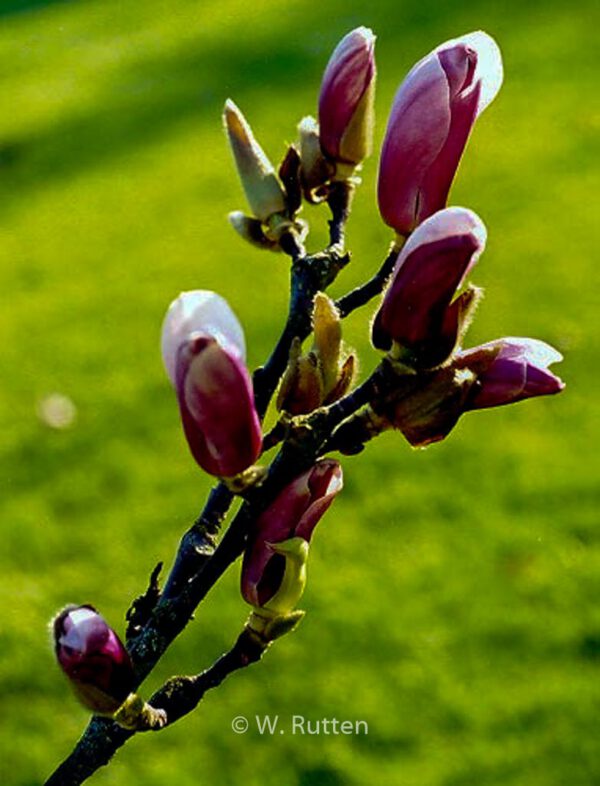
x: 294, y: 548
x: 263, y: 191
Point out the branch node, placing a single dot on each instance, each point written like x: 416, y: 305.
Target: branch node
x: 142, y: 607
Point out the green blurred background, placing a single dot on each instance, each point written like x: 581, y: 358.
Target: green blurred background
x: 453, y: 594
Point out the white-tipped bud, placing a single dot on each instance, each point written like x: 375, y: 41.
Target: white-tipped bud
x: 199, y: 311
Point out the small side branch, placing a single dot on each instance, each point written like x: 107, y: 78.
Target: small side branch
x: 367, y: 291
x: 339, y: 200
x: 178, y: 697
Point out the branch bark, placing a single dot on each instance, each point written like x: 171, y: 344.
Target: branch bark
x: 374, y: 286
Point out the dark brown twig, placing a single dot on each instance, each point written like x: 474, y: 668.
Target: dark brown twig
x: 370, y: 289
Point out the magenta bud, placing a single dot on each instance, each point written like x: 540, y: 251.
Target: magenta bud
x: 417, y: 311
x: 203, y: 351
x: 431, y: 119
x: 509, y: 370
x: 346, y: 99
x: 93, y: 658
x: 293, y: 514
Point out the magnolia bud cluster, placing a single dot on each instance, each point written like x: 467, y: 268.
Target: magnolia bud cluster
x: 420, y: 324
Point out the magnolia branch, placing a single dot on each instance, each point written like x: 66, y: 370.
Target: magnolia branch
x: 423, y: 384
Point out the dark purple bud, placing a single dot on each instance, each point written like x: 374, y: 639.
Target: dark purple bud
x: 93, y: 658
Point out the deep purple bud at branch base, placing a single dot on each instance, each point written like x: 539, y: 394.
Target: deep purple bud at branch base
x: 346, y: 99
x: 294, y: 513
x: 509, y: 370
x: 203, y: 351
x: 93, y: 658
x: 430, y: 121
x: 417, y: 312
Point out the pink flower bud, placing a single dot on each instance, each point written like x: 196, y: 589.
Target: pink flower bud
x: 431, y: 119
x: 417, y: 312
x: 198, y: 310
x: 293, y: 514
x: 509, y: 370
x: 203, y: 351
x: 93, y: 658
x: 346, y: 99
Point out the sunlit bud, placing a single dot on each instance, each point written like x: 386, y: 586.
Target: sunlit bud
x: 316, y: 170
x: 203, y: 350
x: 301, y: 388
x: 274, y: 567
x: 509, y: 370
x: 261, y: 186
x: 321, y: 376
x: 346, y: 99
x: 417, y: 313
x: 93, y: 658
x: 430, y: 121
x: 327, y: 327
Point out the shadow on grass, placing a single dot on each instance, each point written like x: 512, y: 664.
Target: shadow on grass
x: 144, y: 103
x: 147, y: 98
x: 8, y: 7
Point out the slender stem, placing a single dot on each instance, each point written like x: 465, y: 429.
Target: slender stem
x: 370, y: 289
x: 274, y: 436
x: 198, y: 565
x: 309, y: 275
x: 266, y: 378
x: 360, y: 396
x: 95, y: 748
x: 339, y: 200
x: 292, y: 245
x: 180, y: 695
x: 198, y: 544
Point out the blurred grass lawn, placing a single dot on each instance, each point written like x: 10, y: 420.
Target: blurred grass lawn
x: 453, y: 595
